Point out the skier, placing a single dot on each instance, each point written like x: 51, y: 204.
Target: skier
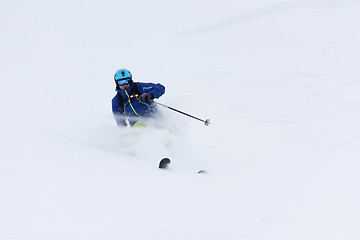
x: 133, y: 100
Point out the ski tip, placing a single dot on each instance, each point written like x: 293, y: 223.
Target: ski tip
x: 202, y: 172
x: 164, y: 163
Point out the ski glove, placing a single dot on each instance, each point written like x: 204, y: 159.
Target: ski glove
x: 146, y: 97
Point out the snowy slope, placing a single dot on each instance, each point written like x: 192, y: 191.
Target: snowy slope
x: 279, y: 81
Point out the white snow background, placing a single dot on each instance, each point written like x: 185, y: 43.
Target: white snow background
x: 279, y: 80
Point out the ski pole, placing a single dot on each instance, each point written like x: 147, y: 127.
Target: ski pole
x: 206, y: 122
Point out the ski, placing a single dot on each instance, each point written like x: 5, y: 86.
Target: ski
x: 164, y: 163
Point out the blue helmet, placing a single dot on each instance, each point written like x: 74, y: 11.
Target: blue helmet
x: 122, y: 74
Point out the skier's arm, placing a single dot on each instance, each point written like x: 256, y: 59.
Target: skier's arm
x: 156, y: 89
x: 118, y: 114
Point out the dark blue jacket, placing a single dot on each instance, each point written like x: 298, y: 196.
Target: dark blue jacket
x: 133, y: 107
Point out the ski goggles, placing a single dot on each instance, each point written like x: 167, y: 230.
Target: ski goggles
x: 125, y: 81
